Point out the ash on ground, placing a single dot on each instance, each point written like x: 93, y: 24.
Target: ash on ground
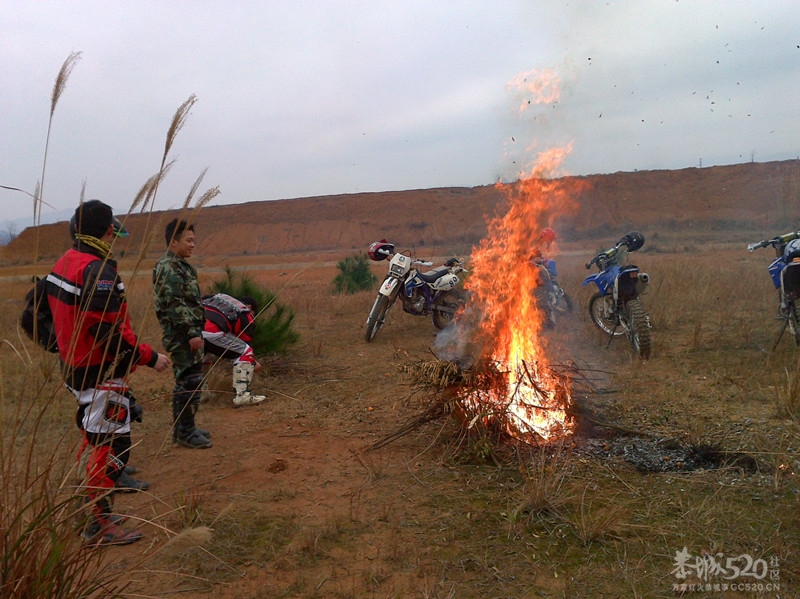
x: 597, y: 437
x: 648, y: 455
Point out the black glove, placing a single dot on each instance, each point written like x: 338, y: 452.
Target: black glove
x: 136, y: 412
x: 134, y: 408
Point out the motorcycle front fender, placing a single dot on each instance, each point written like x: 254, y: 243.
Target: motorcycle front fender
x: 775, y: 270
x: 603, y: 279
x: 389, y: 287
x: 597, y: 279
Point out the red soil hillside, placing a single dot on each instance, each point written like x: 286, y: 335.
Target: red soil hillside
x: 743, y: 196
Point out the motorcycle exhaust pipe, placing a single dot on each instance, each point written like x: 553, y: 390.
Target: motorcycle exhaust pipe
x: 644, y: 277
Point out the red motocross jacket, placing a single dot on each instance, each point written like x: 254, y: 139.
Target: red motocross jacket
x: 90, y: 315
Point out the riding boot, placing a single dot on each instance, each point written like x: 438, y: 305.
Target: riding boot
x: 184, y: 432
x: 242, y: 377
x: 103, y: 526
x: 195, y: 405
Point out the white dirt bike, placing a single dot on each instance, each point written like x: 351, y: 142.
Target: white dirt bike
x: 421, y: 293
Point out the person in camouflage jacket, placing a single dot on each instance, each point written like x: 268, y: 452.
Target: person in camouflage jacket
x: 180, y: 313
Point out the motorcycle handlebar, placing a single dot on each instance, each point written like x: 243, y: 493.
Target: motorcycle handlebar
x: 604, y: 255
x: 775, y: 241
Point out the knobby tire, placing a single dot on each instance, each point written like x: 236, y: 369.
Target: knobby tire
x: 541, y: 295
x: 377, y: 316
x: 597, y: 313
x: 639, y: 329
x: 794, y: 322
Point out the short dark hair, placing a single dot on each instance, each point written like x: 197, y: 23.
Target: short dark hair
x: 93, y: 218
x: 175, y: 229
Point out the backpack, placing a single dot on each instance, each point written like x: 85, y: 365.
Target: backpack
x: 224, y: 310
x: 37, y: 319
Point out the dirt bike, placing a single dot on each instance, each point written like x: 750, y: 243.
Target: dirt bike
x: 549, y: 295
x: 431, y: 293
x: 617, y: 308
x: 785, y: 274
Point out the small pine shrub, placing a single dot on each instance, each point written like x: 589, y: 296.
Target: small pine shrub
x: 274, y: 333
x: 355, y: 275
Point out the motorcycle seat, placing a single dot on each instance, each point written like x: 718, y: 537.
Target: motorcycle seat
x: 433, y: 275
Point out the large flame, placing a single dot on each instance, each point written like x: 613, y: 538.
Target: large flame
x: 529, y: 399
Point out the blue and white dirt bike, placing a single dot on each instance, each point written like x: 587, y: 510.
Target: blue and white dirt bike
x: 617, y: 307
x: 421, y: 293
x: 785, y: 273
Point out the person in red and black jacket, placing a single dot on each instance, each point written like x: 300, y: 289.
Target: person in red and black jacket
x: 227, y: 333
x: 98, y: 350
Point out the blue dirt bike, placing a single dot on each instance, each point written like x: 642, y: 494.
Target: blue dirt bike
x: 785, y: 273
x: 617, y: 308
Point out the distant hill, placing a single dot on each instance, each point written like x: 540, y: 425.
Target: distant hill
x: 742, y: 197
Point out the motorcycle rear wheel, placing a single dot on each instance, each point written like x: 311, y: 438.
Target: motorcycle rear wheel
x: 794, y: 322
x: 599, y: 305
x: 639, y: 328
x: 452, y: 301
x: 377, y: 316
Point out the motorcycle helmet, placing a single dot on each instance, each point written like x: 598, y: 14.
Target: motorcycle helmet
x: 792, y: 251
x: 633, y: 240
x: 548, y: 235
x: 380, y: 250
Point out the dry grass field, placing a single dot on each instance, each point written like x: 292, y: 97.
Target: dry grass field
x: 299, y: 505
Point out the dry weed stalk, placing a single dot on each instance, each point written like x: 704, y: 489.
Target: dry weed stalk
x: 188, y: 538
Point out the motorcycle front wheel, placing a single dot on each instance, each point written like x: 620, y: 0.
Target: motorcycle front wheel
x: 377, y: 316
x: 599, y: 307
x: 563, y: 301
x: 451, y: 302
x: 639, y: 328
x: 545, y: 300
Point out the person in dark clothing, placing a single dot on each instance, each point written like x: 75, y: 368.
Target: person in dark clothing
x: 179, y: 308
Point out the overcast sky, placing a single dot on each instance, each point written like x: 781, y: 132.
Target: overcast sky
x: 298, y: 99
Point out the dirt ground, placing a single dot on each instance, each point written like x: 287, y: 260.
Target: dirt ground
x: 301, y: 461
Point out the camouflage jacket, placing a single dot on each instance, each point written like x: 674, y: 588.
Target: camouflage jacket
x: 177, y: 299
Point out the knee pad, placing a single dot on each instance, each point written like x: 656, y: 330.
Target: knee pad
x: 190, y: 383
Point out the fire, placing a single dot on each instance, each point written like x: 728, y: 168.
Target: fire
x: 525, y: 397
x: 535, y: 87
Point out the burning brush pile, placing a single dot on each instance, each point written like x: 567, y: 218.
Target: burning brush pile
x: 493, y: 369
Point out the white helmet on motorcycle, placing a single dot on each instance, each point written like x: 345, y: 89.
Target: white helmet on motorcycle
x: 380, y: 250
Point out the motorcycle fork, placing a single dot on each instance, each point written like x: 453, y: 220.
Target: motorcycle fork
x: 616, y: 314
